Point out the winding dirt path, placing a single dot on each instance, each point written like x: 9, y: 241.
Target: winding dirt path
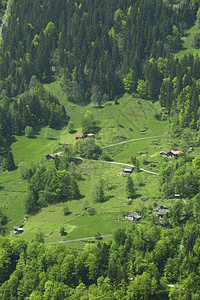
x: 117, y: 163
x: 133, y: 140
x: 78, y: 240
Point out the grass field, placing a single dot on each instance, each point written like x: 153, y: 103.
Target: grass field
x: 116, y: 123
x: 187, y: 43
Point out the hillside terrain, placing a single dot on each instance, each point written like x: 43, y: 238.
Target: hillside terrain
x: 99, y: 149
x: 114, y: 127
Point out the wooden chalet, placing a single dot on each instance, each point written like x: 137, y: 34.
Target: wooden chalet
x: 128, y: 171
x: 133, y: 216
x: 90, y: 135
x: 18, y: 230
x: 174, y: 154
x: 163, y: 211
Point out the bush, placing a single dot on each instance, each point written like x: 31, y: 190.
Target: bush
x: 66, y: 210
x: 29, y: 131
x: 62, y: 231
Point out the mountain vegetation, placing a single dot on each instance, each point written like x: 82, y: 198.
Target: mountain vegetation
x: 92, y: 67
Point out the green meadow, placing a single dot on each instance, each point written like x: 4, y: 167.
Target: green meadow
x: 132, y: 119
x: 187, y: 43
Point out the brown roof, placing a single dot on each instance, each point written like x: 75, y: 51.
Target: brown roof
x: 78, y: 136
x: 176, y: 152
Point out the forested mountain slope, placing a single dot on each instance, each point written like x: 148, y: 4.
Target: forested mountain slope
x: 87, y: 42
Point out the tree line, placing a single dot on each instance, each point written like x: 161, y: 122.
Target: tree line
x: 139, y: 263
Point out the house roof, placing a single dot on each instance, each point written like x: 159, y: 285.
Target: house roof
x: 177, y: 195
x: 78, y: 136
x: 177, y: 152
x: 18, y: 228
x: 128, y: 169
x: 163, y: 211
x: 134, y: 215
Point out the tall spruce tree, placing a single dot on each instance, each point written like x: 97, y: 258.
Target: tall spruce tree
x: 10, y: 164
x: 130, y: 190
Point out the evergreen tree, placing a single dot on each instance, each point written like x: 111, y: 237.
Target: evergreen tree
x: 99, y: 196
x: 75, y: 193
x: 96, y: 96
x: 130, y: 190
x: 9, y: 165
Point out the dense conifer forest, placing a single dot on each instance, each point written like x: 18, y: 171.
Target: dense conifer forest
x: 99, y: 50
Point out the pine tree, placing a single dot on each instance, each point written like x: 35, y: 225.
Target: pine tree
x: 10, y: 165
x: 99, y: 196
x: 75, y: 193
x: 130, y: 190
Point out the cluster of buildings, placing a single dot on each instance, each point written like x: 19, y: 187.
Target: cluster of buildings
x: 82, y: 136
x: 51, y: 156
x: 134, y: 216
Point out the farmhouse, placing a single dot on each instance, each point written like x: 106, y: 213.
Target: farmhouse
x: 128, y: 170
x: 173, y: 153
x: 90, y: 135
x: 50, y: 156
x: 18, y: 230
x: 133, y: 216
x: 78, y: 136
x: 163, y: 211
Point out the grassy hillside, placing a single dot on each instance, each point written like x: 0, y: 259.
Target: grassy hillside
x: 116, y: 123
x: 187, y: 43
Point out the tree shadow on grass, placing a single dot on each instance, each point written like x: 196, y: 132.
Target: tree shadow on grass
x: 72, y: 131
x: 137, y: 196
x: 107, y: 198
x: 33, y: 137
x: 81, y: 178
x: 64, y: 234
x: 96, y: 129
x: 68, y: 213
x: 51, y: 139
x: 77, y: 161
x: 111, y: 187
